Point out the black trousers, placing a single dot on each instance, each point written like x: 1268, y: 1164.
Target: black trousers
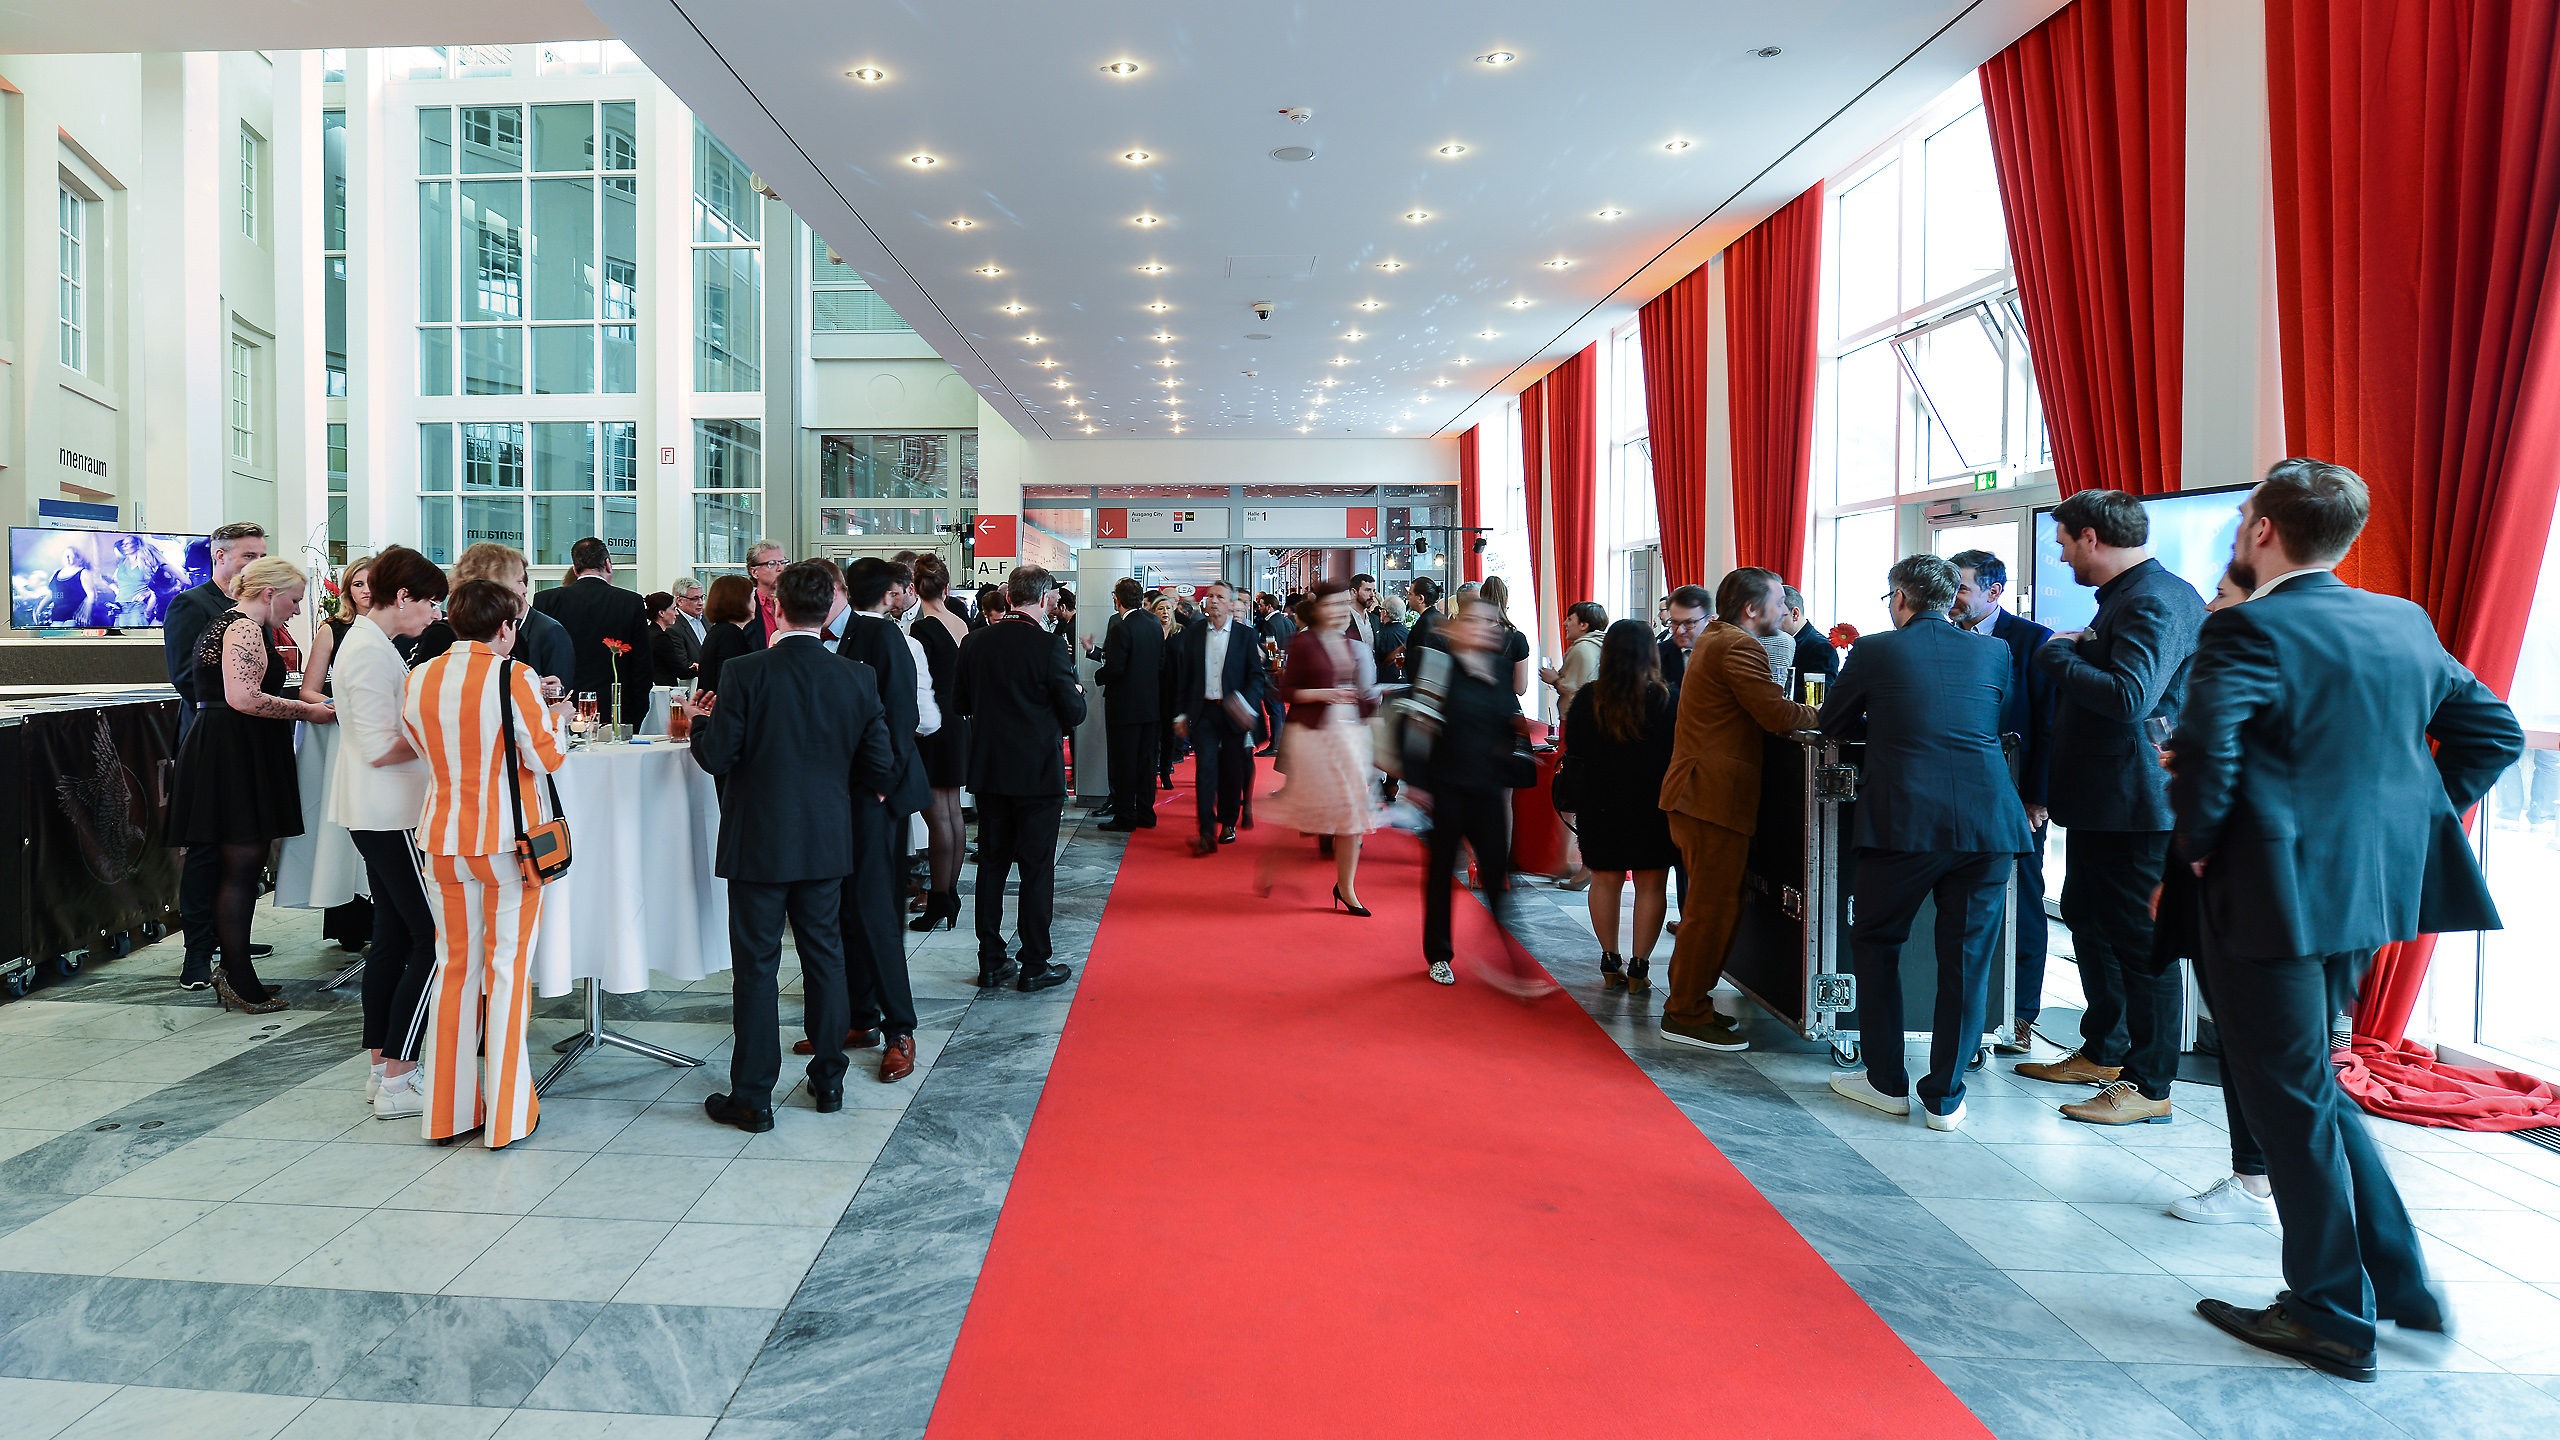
x: 877, y: 990
x: 2034, y: 931
x: 1223, y: 767
x: 2349, y: 1250
x: 1017, y: 830
x: 756, y: 912
x: 1133, y: 774
x: 199, y: 881
x: 403, y: 962
x: 2132, y: 1020
x: 1969, y: 889
x: 1482, y: 819
x: 2247, y: 1158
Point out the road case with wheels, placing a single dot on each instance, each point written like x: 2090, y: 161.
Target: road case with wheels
x: 84, y: 787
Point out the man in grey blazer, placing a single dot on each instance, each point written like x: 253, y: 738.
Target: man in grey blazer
x: 2105, y: 788
x: 2320, y: 825
x: 1937, y: 816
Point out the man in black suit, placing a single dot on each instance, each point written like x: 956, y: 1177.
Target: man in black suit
x: 800, y: 736
x: 2106, y: 789
x: 1937, y: 816
x: 875, y: 951
x: 1221, y: 691
x: 593, y: 610
x: 1131, y: 674
x: 1423, y: 597
x: 1018, y: 688
x: 2320, y: 827
x: 688, y: 628
x: 183, y: 627
x: 2030, y: 718
x: 1813, y: 652
x: 1688, y: 610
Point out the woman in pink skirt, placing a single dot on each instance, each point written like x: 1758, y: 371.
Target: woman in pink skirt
x: 1331, y: 682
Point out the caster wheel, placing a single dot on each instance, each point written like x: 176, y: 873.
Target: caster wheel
x: 1847, y: 1059
x: 152, y: 930
x: 121, y: 944
x: 20, y: 983
x: 70, y: 961
x: 1980, y: 1058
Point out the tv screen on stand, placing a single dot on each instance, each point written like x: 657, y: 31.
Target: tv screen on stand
x: 99, y: 579
x: 2191, y: 534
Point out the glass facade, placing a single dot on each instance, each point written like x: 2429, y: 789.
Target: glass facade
x: 539, y: 486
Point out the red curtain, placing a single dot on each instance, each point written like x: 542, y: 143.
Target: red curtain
x: 1773, y: 312
x: 1573, y: 457
x: 2416, y: 160
x: 1672, y: 328
x: 2088, y: 116
x: 1533, y: 481
x: 1470, y: 501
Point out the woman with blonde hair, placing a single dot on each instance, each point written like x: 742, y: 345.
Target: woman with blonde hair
x: 236, y: 784
x: 355, y: 597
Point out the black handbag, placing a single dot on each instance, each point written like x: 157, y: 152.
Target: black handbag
x: 542, y: 851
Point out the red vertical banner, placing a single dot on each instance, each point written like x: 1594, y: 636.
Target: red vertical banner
x: 1533, y: 483
x: 1573, y: 457
x: 1470, y: 500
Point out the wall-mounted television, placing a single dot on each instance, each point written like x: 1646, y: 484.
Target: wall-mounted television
x: 92, y: 579
x: 2191, y: 534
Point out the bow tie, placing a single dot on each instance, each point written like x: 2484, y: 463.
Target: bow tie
x: 827, y: 636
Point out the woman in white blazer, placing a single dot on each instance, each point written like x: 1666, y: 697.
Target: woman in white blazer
x: 377, y: 794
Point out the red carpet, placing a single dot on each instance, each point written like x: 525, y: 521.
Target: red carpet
x: 1282, y: 1185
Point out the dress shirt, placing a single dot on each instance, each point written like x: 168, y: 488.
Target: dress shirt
x: 2261, y: 592
x: 1989, y: 618
x: 907, y: 617
x: 1364, y: 626
x: 1214, y: 659
x: 694, y: 623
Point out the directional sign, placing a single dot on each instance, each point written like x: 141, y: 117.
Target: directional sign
x: 995, y: 536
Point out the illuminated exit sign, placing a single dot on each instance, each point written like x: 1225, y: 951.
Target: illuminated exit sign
x: 1986, y: 480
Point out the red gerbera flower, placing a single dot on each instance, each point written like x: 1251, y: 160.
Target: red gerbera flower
x: 1843, y: 635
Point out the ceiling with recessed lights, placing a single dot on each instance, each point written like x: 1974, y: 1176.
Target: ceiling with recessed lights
x: 1322, y: 218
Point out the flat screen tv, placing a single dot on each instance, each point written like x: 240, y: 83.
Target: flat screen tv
x: 90, y: 579
x: 2191, y: 534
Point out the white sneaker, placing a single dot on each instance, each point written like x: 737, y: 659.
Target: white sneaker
x: 1441, y: 973
x: 401, y: 1097
x: 372, y: 1082
x: 1952, y: 1120
x: 1857, y: 1087
x: 2227, y: 1203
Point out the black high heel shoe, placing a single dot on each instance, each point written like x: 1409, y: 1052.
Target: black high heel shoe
x: 941, y: 911
x: 1611, y: 977
x: 1360, y: 910
x: 1639, y: 977
x: 230, y: 997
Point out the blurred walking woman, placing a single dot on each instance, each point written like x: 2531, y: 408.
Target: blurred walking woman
x: 486, y: 912
x: 377, y: 793
x: 1617, y: 740
x: 1331, y: 686
x: 236, y: 785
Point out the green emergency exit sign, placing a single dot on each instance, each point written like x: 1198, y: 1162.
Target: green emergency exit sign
x: 1986, y: 480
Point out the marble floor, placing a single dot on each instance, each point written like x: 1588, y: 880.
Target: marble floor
x: 204, y: 1232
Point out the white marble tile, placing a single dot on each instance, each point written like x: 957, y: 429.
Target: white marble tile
x: 2425, y: 1184
x: 546, y: 1257
x: 24, y: 1019
x: 40, y: 1409
x: 779, y: 1192
x: 496, y: 1182
x: 96, y: 1233
x: 2037, y: 1235
x: 2028, y: 1120
x: 1956, y: 1171
x: 18, y: 1142
x: 68, y: 1104
x: 677, y: 1127
x: 593, y: 1425
x: 634, y: 1187
x: 341, y: 1173
x: 2150, y: 1316
x: 153, y: 1022
x: 574, y: 1123
x: 242, y: 1244
x: 300, y: 1115
x: 214, y: 1167
x: 850, y: 1136
x: 380, y: 1420
x: 2524, y: 1245
x: 2091, y: 1172
x: 743, y: 1266
x: 2182, y: 1247
x: 55, y: 1057
x: 2512, y: 1323
x: 414, y: 1251
x: 142, y: 1413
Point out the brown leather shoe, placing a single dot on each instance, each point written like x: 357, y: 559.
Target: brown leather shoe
x: 2119, y: 1104
x: 2072, y: 1069
x: 853, y: 1040
x: 2273, y: 1330
x: 898, y: 1061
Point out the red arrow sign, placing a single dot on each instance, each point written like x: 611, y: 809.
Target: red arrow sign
x: 1111, y: 525
x: 995, y: 535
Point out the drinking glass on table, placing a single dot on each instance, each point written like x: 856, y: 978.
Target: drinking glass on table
x: 582, y: 722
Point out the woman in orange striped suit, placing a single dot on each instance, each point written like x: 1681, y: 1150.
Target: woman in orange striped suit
x: 477, y: 1071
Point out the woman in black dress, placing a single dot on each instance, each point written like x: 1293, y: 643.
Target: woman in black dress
x: 724, y: 619
x: 236, y: 786
x: 1617, y: 741
x: 667, y: 665
x: 945, y: 752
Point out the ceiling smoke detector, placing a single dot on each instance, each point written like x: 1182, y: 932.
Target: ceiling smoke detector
x: 1299, y: 114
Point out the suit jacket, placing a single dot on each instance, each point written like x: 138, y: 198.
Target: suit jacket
x: 1132, y: 669
x: 1278, y: 627
x: 594, y: 610
x: 1019, y: 690
x: 1813, y: 656
x: 799, y: 733
x: 1928, y: 698
x: 182, y: 629
x: 540, y: 643
x: 727, y: 641
x: 880, y: 645
x: 2030, y: 712
x: 1729, y: 700
x: 1675, y: 661
x: 2305, y: 777
x: 2131, y: 663
x: 688, y: 644
x: 668, y: 662
x: 1244, y: 674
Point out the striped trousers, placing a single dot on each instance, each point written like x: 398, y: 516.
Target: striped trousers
x: 477, y: 1069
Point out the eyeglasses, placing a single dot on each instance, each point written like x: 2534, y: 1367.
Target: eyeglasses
x: 766, y: 565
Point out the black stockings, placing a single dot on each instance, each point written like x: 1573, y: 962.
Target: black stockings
x: 945, y: 838
x: 242, y: 868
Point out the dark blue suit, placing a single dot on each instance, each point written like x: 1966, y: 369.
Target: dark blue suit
x: 1937, y: 816
x: 2029, y: 716
x: 1222, y: 749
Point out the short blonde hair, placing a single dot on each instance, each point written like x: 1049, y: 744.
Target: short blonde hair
x: 490, y: 560
x: 266, y: 576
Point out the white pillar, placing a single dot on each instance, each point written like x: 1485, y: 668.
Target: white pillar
x: 2233, y: 405
x: 1719, y: 549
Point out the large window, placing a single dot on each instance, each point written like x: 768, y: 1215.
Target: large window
x: 540, y: 487
x: 1630, y: 528
x: 532, y: 243
x: 252, y: 163
x: 337, y: 494
x: 841, y: 300
x: 728, y: 482
x: 728, y: 270
x: 333, y: 249
x: 244, y: 401
x: 902, y: 483
x: 72, y: 309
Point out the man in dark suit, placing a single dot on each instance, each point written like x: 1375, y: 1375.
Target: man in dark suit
x: 799, y: 734
x: 2320, y: 827
x: 1222, y: 678
x: 688, y: 628
x: 2106, y: 789
x: 1813, y: 652
x: 1277, y: 625
x: 1937, y: 816
x: 594, y: 610
x: 183, y: 627
x: 765, y: 563
x: 875, y: 952
x: 2030, y: 718
x: 1688, y: 610
x: 1018, y: 688
x: 1130, y: 676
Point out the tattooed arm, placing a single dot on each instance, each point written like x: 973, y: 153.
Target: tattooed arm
x: 244, y: 668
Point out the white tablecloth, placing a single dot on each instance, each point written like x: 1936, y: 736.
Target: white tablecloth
x: 639, y: 895
x: 319, y: 867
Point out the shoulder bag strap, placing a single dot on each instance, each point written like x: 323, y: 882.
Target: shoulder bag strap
x: 507, y: 730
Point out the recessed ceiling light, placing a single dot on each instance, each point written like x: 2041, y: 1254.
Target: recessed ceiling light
x: 1675, y: 146
x: 1498, y: 57
x: 1012, y: 309
x: 923, y: 162
x: 1088, y: 429
x: 1487, y: 334
x: 1453, y: 149
x: 1328, y: 381
x: 1390, y: 264
x: 1168, y: 360
x: 1559, y: 263
x: 1121, y: 67
x: 1137, y: 157
x: 990, y: 269
x: 1061, y: 384
x: 1417, y: 216
x: 1030, y: 339
x: 1443, y: 380
x: 1520, y: 304
x: 1369, y: 304
x: 1150, y: 269
x: 1177, y: 429
x: 1162, y: 338
x: 1047, y: 364
x: 962, y: 224
x: 1342, y: 360
x: 1353, y: 335
x: 1159, y: 306
x: 867, y: 74
x: 1145, y: 220
x: 1612, y: 213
